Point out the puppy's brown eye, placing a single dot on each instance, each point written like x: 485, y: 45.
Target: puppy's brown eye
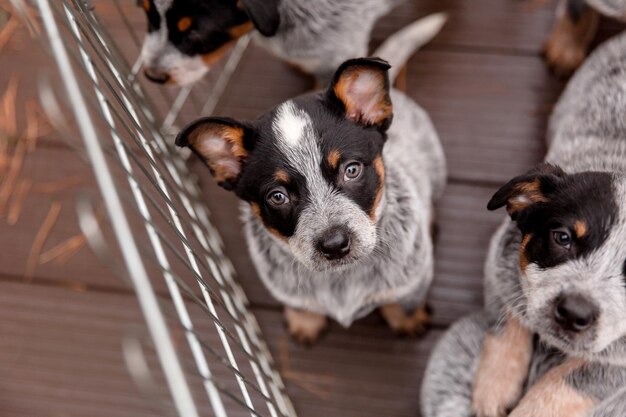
x: 146, y: 5
x: 353, y: 171
x: 184, y: 24
x: 562, y: 238
x: 277, y: 198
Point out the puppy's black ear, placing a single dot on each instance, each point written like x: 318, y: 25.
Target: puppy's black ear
x: 264, y: 14
x: 361, y: 88
x: 524, y: 191
x: 223, y: 144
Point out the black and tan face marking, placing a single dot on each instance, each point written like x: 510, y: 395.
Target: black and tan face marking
x: 561, y: 216
x: 186, y: 35
x: 310, y: 165
x: 571, y: 254
x: 201, y: 27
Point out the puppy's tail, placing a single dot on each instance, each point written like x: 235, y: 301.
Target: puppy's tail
x: 399, y: 47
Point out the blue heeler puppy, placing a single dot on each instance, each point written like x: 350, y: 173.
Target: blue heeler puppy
x: 338, y: 198
x: 186, y: 37
x: 552, y: 340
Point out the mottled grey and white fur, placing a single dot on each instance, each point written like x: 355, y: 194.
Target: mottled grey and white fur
x: 318, y: 35
x: 587, y: 132
x: 395, y: 254
x: 314, y: 35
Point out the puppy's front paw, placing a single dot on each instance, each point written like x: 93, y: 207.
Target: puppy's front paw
x: 502, y: 371
x: 304, y: 326
x: 404, y: 324
x: 494, y: 399
x: 554, y: 396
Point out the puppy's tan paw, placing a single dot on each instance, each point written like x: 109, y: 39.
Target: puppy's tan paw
x: 553, y: 396
x: 566, y: 47
x: 494, y: 400
x: 304, y: 326
x: 502, y: 371
x: 414, y: 324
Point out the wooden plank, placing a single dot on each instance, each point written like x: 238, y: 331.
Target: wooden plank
x: 464, y: 228
x: 490, y: 111
x: 60, y: 353
x: 58, y: 177
x: 364, y: 371
x: 507, y: 27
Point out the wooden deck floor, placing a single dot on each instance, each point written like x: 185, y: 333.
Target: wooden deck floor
x: 488, y: 92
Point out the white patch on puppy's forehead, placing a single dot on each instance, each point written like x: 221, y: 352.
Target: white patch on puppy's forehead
x: 163, y: 5
x: 290, y: 124
x: 325, y: 206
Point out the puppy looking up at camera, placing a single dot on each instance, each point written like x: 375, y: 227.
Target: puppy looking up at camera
x: 338, y: 188
x: 186, y: 37
x: 552, y: 341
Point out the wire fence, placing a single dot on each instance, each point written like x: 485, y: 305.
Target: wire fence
x: 202, y: 335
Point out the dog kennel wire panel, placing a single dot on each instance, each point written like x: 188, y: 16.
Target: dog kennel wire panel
x: 202, y: 337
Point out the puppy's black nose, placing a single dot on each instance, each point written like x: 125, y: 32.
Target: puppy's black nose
x: 335, y: 244
x: 574, y: 313
x: 156, y: 76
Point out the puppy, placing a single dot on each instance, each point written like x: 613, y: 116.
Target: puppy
x: 338, y: 197
x: 574, y: 29
x: 186, y: 37
x: 552, y: 340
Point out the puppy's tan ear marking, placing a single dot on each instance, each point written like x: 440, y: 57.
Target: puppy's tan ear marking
x: 240, y: 30
x: 362, y: 86
x: 525, y: 195
x: 526, y: 190
x: 221, y: 144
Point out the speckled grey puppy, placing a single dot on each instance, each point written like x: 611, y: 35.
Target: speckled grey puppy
x: 186, y: 37
x: 557, y: 269
x: 339, y: 187
x: 399, y: 265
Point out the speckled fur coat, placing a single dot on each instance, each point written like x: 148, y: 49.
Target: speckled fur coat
x: 318, y: 35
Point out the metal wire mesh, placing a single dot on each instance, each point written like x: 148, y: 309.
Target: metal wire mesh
x: 206, y: 340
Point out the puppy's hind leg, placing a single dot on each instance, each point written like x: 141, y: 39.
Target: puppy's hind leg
x: 449, y: 376
x: 573, y: 31
x: 403, y: 323
x: 305, y: 326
